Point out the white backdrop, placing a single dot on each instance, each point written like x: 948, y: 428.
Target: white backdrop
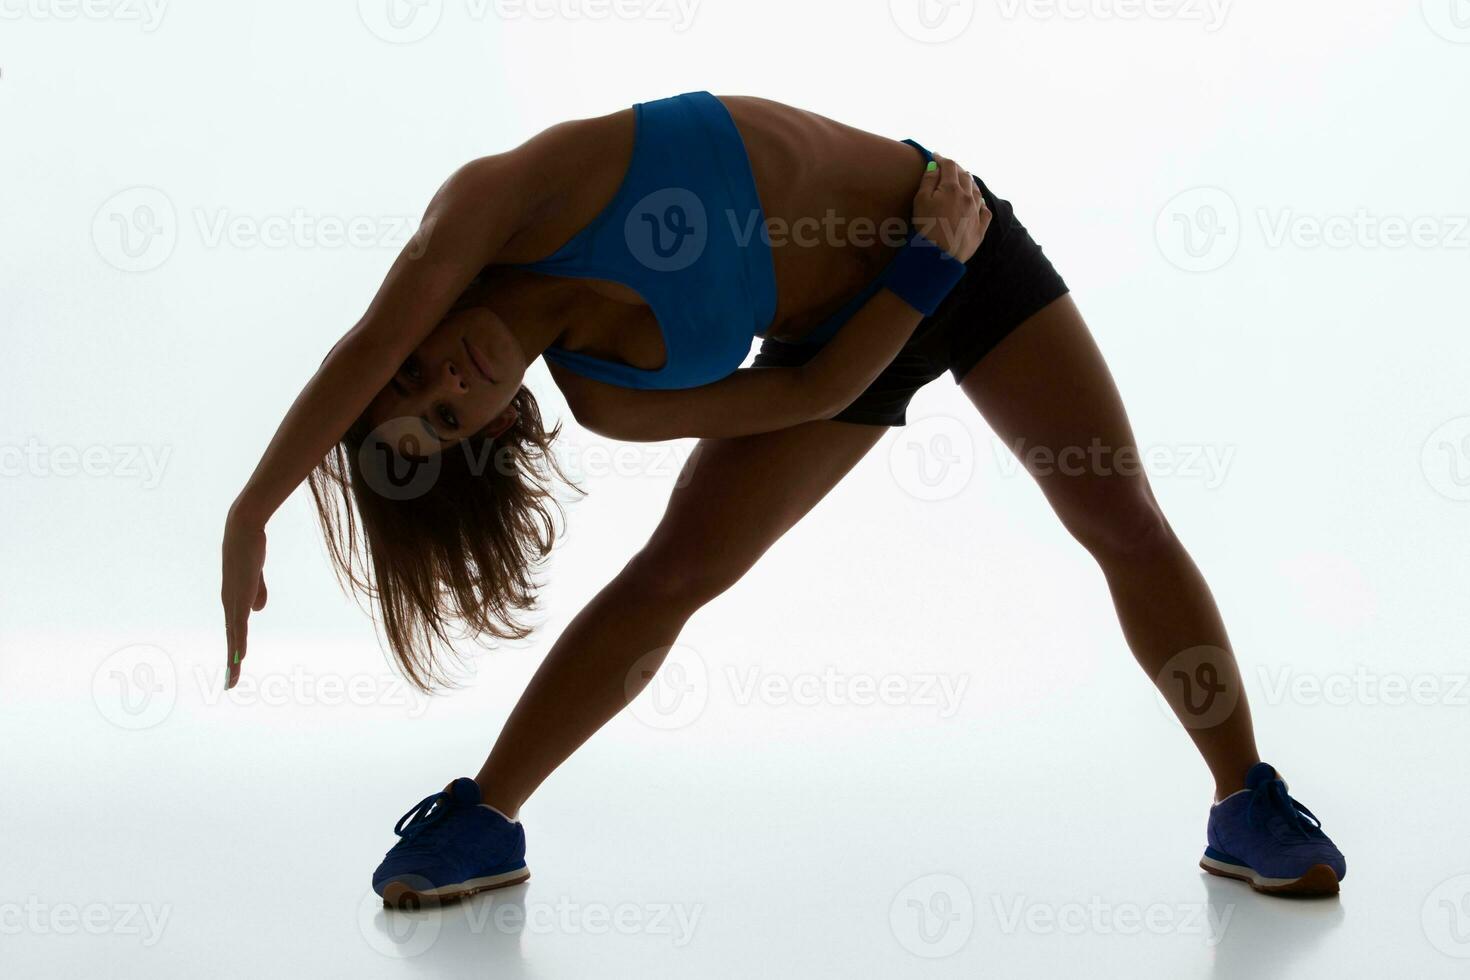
x: 1262, y: 210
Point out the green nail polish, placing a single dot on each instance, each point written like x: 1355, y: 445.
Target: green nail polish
x: 931, y: 168
x: 237, y: 656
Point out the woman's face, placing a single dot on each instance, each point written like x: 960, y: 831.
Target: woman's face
x: 459, y: 382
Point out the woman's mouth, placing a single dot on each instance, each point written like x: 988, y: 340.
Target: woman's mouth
x: 478, y: 360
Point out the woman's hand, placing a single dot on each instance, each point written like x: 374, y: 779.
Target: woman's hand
x: 242, y: 589
x: 949, y: 209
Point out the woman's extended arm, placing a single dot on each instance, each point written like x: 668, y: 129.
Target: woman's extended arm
x: 948, y: 209
x: 465, y: 225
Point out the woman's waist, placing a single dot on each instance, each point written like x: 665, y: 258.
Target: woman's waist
x: 823, y: 286
x: 816, y: 284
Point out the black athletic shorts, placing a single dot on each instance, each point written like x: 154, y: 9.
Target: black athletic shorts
x: 1009, y: 279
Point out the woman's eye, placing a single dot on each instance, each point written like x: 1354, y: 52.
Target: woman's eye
x: 448, y: 417
x: 410, y: 368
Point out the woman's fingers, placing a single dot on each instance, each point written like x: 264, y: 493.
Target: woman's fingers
x: 967, y: 186
x: 239, y: 603
x: 949, y: 175
x: 236, y: 632
x: 930, y: 180
x: 243, y: 591
x: 950, y: 209
x: 962, y: 181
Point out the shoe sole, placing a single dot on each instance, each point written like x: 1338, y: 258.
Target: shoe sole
x: 1319, y: 880
x: 400, y: 895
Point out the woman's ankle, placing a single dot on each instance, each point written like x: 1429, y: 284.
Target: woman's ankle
x: 1227, y: 785
x: 494, y: 795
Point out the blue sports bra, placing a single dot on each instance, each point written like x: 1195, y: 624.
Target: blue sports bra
x: 685, y: 230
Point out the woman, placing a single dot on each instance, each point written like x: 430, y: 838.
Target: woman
x: 641, y: 252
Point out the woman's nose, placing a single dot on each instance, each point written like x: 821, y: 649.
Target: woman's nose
x: 451, y: 377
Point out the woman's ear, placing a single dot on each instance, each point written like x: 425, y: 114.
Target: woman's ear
x: 502, y: 422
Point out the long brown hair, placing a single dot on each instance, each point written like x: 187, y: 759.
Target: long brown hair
x: 449, y: 550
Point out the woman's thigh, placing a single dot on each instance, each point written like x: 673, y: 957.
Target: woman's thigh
x: 737, y: 497
x: 1048, y: 394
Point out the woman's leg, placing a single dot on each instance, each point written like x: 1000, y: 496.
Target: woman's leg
x: 735, y: 498
x: 1045, y: 387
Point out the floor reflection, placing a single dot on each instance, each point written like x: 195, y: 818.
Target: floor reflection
x: 484, y: 930
x: 1264, y: 936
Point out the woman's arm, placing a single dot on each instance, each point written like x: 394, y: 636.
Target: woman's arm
x: 752, y: 399
x: 950, y: 211
x: 465, y: 225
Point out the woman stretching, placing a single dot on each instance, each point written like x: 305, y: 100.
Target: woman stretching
x: 640, y: 253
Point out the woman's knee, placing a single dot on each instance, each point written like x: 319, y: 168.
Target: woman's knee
x: 678, y: 576
x: 1121, y: 522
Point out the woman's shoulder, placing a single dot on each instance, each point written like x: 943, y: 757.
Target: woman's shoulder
x: 558, y: 178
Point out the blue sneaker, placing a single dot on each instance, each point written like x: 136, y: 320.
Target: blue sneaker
x: 1263, y: 836
x: 451, y: 845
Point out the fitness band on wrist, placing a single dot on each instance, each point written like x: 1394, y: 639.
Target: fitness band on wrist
x: 922, y: 274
